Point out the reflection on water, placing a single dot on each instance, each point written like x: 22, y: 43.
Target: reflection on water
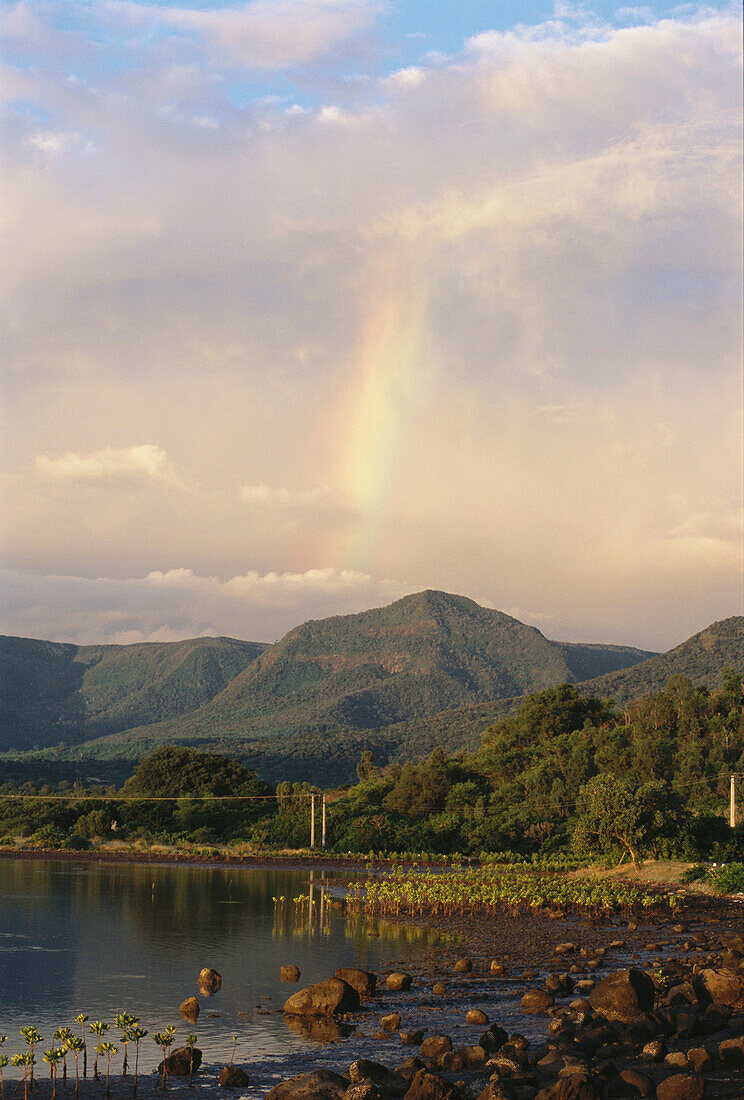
x: 108, y: 938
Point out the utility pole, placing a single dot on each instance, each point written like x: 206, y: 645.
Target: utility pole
x: 312, y: 820
x: 323, y: 825
x: 732, y: 803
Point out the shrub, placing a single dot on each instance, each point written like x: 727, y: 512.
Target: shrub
x: 48, y: 836
x: 728, y: 879
x: 76, y: 843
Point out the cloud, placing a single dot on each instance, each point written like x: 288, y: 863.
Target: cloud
x: 264, y: 34
x: 265, y: 496
x: 179, y: 604
x: 144, y: 462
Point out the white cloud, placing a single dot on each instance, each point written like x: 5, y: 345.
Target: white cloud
x: 179, y: 604
x: 265, y: 34
x: 146, y: 461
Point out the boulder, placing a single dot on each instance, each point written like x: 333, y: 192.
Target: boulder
x: 497, y: 969
x: 655, y: 1051
x: 429, y: 1086
x: 389, y: 1083
x: 681, y: 1086
x: 535, y: 1001
x: 637, y: 1081
x: 290, y: 973
x: 731, y: 1051
x: 560, y: 985
x: 391, y: 1022
x: 322, y: 1084
x: 623, y: 995
x: 189, y: 1009
x: 365, y: 1090
x: 464, y: 966
x: 179, y: 1062
x: 494, y: 1091
x: 209, y: 982
x: 434, y: 1046
x: 410, y: 1067
x: 472, y: 1056
x: 412, y: 1038
x: 233, y: 1077
x: 363, y: 981
x: 571, y: 1088
x: 719, y: 987
x: 477, y: 1016
x: 328, y: 998
x: 397, y: 981
x: 699, y: 1059
x: 438, y: 989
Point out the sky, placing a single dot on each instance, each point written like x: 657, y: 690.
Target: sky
x: 310, y: 304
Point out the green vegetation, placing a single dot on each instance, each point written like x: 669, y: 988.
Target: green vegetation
x: 303, y: 708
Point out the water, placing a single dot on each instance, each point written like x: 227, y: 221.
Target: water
x: 108, y: 938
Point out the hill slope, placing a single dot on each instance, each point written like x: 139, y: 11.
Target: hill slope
x: 332, y: 687
x: 702, y: 659
x: 52, y: 692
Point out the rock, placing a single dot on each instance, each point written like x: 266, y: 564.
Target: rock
x: 623, y: 996
x: 699, y: 1059
x: 493, y: 1039
x: 476, y: 1016
x: 497, y: 968
x: 535, y: 1001
x: 410, y: 1067
x: 233, y: 1077
x: 681, y: 1086
x: 390, y: 1084
x: 189, y: 1009
x: 290, y: 973
x: 464, y: 966
x: 209, y: 982
x: 731, y: 1051
x: 655, y: 1051
x: 677, y: 1059
x: 472, y: 1056
x: 429, y: 1086
x: 434, y: 1046
x: 323, y: 1084
x: 391, y: 1022
x: 642, y: 1085
x: 178, y: 1062
x: 363, y: 981
x: 412, y: 1038
x: 570, y: 1088
x: 560, y: 985
x: 398, y: 981
x: 365, y: 1090
x: 719, y: 987
x: 494, y: 1091
x: 564, y: 948
x: 438, y: 989
x: 328, y: 998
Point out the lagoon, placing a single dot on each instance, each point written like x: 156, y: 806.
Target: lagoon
x: 103, y: 938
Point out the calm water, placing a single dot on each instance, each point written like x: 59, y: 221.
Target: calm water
x: 107, y: 938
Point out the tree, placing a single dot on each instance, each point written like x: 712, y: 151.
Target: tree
x: 610, y: 811
x: 366, y: 768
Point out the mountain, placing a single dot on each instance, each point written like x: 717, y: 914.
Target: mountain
x: 52, y: 692
x: 702, y: 659
x: 309, y: 704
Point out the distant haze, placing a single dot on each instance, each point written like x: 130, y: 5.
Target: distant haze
x: 311, y: 304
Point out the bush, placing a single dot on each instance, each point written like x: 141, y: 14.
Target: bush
x: 48, y: 836
x: 728, y: 879
x: 698, y: 873
x: 76, y: 843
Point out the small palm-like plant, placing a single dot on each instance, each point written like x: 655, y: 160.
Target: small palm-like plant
x: 124, y: 1021
x: 61, y: 1035
x: 75, y: 1044
x: 99, y: 1029
x: 53, y: 1057
x: 3, y: 1063
x: 108, y: 1050
x: 81, y: 1019
x: 26, y: 1062
x: 235, y: 1043
x: 135, y: 1035
x: 191, y: 1043
x: 32, y: 1038
x: 164, y: 1040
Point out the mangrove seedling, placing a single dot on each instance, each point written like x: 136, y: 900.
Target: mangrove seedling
x: 124, y: 1021
x: 32, y: 1038
x: 235, y: 1043
x: 81, y: 1019
x: 108, y: 1050
x: 53, y: 1057
x: 99, y: 1029
x: 75, y: 1044
x: 164, y: 1039
x: 26, y: 1062
x: 135, y: 1035
x: 191, y: 1043
x: 3, y: 1063
x: 61, y: 1035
